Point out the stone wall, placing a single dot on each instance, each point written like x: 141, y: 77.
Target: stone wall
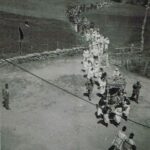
x: 45, y: 55
x: 141, y: 2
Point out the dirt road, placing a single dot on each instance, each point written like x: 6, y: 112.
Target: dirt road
x: 43, y: 117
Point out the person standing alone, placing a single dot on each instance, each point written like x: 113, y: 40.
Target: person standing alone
x: 5, y: 95
x: 136, y: 91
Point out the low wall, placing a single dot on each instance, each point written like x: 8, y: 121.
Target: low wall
x: 45, y: 55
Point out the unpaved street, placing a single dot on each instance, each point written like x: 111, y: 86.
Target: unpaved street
x: 43, y: 117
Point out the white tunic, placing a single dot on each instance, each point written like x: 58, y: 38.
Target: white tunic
x: 76, y: 27
x: 100, y: 74
x: 85, y: 65
x: 116, y: 73
x: 102, y: 86
x: 127, y: 109
x: 119, y: 140
x: 118, y: 116
x: 127, y: 145
x: 95, y: 49
x: 99, y: 111
x: 96, y: 70
x: 86, y: 54
x: 91, y: 59
x: 106, y: 43
x: 87, y: 36
x: 88, y: 67
x: 90, y: 74
x: 106, y: 118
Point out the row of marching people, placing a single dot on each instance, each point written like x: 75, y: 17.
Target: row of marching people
x: 76, y: 10
x: 95, y: 74
x: 98, y: 44
x: 81, y: 23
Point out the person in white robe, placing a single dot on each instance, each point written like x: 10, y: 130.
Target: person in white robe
x: 118, y: 115
x: 99, y: 112
x: 102, y: 86
x: 126, y: 110
x: 101, y: 71
x: 106, y: 44
x: 87, y: 36
x: 90, y: 73
x: 119, y: 139
x: 96, y: 69
x: 86, y: 55
x: 102, y: 44
x: 95, y: 51
x: 116, y: 73
x: 87, y: 65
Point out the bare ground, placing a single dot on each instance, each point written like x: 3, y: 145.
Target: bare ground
x: 43, y: 117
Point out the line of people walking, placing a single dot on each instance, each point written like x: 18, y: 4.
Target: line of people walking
x: 73, y: 12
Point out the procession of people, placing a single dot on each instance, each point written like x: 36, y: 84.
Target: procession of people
x: 114, y: 105
x: 97, y: 44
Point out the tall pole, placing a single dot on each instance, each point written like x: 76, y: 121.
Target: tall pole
x: 143, y: 26
x: 21, y: 36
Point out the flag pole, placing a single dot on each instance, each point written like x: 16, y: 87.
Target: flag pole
x: 143, y: 26
x: 20, y: 46
x: 21, y: 35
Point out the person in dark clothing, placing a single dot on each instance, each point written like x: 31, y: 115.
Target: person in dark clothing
x: 89, y: 87
x: 104, y: 76
x: 100, y: 106
x: 136, y: 91
x: 106, y: 111
x: 5, y: 95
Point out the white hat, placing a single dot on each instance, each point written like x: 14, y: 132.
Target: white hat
x: 116, y: 69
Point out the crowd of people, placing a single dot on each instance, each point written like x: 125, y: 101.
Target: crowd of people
x: 97, y: 44
x: 114, y: 105
x: 118, y: 106
x: 73, y: 12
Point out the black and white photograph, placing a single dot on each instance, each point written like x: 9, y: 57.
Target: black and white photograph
x: 74, y: 74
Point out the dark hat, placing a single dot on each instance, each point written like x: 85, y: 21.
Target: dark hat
x: 6, y: 85
x: 138, y: 82
x: 131, y: 135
